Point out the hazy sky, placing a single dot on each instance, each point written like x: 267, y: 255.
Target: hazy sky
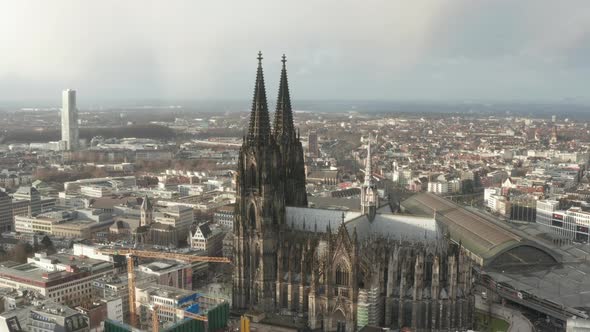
x: 340, y: 49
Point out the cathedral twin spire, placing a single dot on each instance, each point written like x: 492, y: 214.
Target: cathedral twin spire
x: 281, y: 143
x: 284, y: 128
x: 259, y: 129
x: 271, y: 176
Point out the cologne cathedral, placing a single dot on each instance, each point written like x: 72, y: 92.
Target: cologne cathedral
x: 338, y: 270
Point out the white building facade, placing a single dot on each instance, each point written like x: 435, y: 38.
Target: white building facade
x: 69, y: 120
x: 572, y: 224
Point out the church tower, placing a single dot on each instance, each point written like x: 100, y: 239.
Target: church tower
x: 289, y: 143
x: 260, y: 209
x: 146, y: 210
x: 369, y: 194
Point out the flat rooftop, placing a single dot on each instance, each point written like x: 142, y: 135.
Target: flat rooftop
x: 162, y: 266
x: 166, y: 291
x: 31, y: 273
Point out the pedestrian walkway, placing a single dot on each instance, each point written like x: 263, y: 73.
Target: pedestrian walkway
x: 518, y: 322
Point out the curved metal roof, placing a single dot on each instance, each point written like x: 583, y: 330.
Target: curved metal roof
x: 476, y: 233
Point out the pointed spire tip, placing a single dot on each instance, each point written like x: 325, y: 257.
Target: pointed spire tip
x: 259, y: 57
x: 259, y: 127
x: 284, y: 128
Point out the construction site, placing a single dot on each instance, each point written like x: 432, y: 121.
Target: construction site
x: 192, y: 317
x: 157, y: 307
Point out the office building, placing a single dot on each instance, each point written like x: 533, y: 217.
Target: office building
x: 224, y: 216
x: 147, y: 296
x: 69, y: 120
x: 81, y: 223
x: 62, y: 278
x: 572, y: 224
x: 45, y: 316
x: 313, y: 147
x: 180, y: 217
x: 170, y: 273
x: 6, y: 219
x: 27, y: 201
x: 113, y: 289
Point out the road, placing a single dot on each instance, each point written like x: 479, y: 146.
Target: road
x: 518, y: 322
x: 216, y: 143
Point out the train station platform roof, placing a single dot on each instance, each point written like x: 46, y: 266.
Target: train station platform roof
x: 486, y: 241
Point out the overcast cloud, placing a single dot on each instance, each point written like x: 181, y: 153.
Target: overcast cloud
x: 340, y: 49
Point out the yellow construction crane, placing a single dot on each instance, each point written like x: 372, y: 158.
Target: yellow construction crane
x: 155, y: 320
x: 130, y: 253
x: 244, y: 324
x: 160, y: 254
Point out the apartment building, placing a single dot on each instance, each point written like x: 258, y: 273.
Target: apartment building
x: 178, y: 216
x: 224, y: 216
x: 44, y: 316
x: 209, y: 238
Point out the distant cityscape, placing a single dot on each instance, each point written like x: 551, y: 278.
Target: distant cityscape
x: 352, y: 219
x: 292, y: 166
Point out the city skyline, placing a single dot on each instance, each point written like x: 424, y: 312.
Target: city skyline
x: 489, y: 50
x: 326, y: 166
x: 370, y: 220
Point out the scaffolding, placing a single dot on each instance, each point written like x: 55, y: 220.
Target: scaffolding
x: 369, y: 307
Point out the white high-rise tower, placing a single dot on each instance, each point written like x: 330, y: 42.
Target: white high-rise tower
x: 69, y: 120
x: 369, y: 195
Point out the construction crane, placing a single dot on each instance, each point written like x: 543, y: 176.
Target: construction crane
x: 156, y: 309
x: 131, y: 253
x: 244, y: 324
x: 159, y: 254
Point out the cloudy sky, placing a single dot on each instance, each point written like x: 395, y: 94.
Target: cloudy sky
x: 336, y: 49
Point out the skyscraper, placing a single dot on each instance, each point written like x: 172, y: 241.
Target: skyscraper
x: 313, y: 148
x: 6, y: 218
x: 369, y: 194
x: 69, y: 120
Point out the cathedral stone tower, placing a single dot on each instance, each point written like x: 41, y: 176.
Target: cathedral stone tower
x: 289, y: 143
x: 286, y: 262
x: 369, y: 194
x: 260, y: 209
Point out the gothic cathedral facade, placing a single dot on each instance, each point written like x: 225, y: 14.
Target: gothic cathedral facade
x: 270, y: 177
x: 334, y: 279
